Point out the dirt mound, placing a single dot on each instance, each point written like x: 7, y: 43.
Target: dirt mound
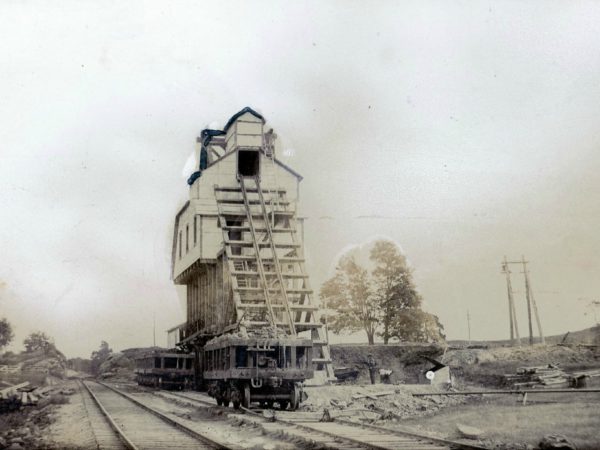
x: 117, y: 365
x: 488, y: 366
x: 406, y: 361
x: 38, y: 367
x: 534, y: 354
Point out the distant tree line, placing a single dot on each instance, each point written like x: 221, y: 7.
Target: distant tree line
x: 383, y: 302
x: 40, y: 341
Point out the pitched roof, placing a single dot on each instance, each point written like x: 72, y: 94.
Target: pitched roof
x: 238, y: 114
x: 207, y: 134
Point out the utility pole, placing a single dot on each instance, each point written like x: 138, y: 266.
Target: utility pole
x: 531, y: 299
x: 154, y: 330
x: 469, y: 325
x: 527, y: 294
x: 514, y: 327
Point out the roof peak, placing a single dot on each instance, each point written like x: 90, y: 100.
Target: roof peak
x: 240, y: 113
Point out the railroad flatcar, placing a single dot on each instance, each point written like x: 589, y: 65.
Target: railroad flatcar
x: 245, y: 370
x: 167, y: 370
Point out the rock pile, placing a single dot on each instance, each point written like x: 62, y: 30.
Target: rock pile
x: 380, y: 399
x: 21, y: 428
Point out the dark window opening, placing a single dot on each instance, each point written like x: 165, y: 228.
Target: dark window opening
x: 157, y: 363
x: 187, y: 238
x: 301, y: 358
x: 287, y: 357
x: 170, y: 363
x: 240, y: 357
x: 188, y: 363
x: 195, y: 230
x: 180, y: 245
x: 235, y: 235
x: 248, y: 163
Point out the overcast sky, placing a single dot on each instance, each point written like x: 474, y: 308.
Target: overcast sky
x: 464, y: 131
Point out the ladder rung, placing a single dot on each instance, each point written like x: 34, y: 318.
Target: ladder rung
x: 253, y: 258
x: 277, y: 289
x: 282, y: 324
x: 304, y: 307
x: 252, y: 190
x: 260, y: 244
x: 236, y: 202
x: 259, y: 229
x: 248, y: 273
x: 304, y: 326
x: 278, y: 306
x: 321, y: 360
x: 242, y: 214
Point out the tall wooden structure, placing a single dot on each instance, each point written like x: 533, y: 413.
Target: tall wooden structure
x: 238, y: 243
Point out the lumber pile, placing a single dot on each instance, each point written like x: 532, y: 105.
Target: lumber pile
x: 586, y: 378
x: 24, y: 394
x: 548, y: 376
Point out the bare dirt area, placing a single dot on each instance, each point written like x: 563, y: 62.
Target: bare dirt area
x: 69, y: 426
x: 37, y: 426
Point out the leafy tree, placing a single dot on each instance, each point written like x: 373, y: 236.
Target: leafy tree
x: 99, y: 356
x: 349, y: 293
x: 385, y: 301
x: 6, y: 333
x: 38, y: 340
x: 414, y: 324
x: 393, y: 285
x: 80, y: 365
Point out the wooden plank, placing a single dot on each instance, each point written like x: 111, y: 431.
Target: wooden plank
x: 373, y: 395
x: 15, y: 387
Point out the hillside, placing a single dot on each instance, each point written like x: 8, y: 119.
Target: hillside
x: 587, y: 336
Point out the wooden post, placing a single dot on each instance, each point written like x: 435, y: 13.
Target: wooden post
x: 527, y: 294
x: 469, y: 325
x: 514, y: 327
x: 535, y: 310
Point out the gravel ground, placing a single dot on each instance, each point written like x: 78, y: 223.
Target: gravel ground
x: 400, y: 403
x: 70, y: 427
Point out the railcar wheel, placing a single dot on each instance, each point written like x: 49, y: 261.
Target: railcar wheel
x: 219, y: 401
x: 295, y: 398
x: 246, y: 396
x: 235, y: 398
x: 283, y: 405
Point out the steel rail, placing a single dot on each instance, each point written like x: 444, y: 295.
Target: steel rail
x: 167, y: 419
x: 449, y: 442
x: 130, y: 445
x: 196, y: 400
x: 303, y: 424
x: 511, y: 391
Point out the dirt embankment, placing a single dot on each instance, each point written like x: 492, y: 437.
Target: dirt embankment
x: 488, y: 366
x: 39, y: 367
x: 406, y: 361
x: 121, y: 365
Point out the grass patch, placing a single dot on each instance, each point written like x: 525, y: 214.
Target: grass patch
x: 506, y: 420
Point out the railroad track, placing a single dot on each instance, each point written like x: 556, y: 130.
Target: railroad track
x: 105, y: 437
x: 136, y: 425
x: 340, y: 434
